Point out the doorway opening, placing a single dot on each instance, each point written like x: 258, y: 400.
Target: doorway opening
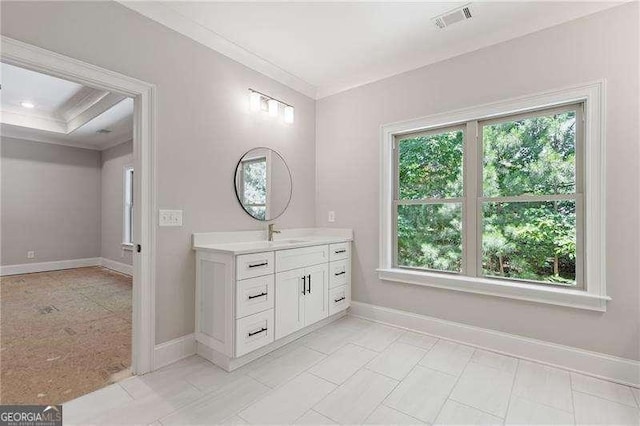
x: 77, y: 226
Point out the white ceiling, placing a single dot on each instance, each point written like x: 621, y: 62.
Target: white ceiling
x: 65, y: 112
x: 47, y: 92
x: 327, y: 47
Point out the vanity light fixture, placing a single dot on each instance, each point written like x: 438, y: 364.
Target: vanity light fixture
x: 273, y: 107
x: 27, y: 104
x: 288, y: 114
x: 255, y: 99
x: 260, y: 102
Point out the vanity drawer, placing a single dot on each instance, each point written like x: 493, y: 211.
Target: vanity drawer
x: 339, y: 251
x: 339, y: 273
x: 287, y: 260
x: 254, y: 265
x: 339, y: 299
x: 254, y: 295
x: 254, y: 332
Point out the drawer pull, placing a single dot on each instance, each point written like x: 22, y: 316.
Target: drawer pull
x: 340, y: 273
x: 340, y: 251
x: 255, y: 265
x: 262, y: 330
x: 339, y: 300
x: 257, y: 295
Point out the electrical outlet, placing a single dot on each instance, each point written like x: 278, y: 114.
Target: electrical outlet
x: 332, y: 216
x: 31, y: 255
x: 170, y: 218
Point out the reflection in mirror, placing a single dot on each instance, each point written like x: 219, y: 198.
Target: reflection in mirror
x: 263, y: 183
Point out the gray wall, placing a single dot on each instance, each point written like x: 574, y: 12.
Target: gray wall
x: 204, y: 126
x: 50, y: 202
x: 113, y: 161
x: 603, y: 45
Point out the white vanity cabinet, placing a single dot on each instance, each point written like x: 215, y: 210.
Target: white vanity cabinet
x: 301, y: 298
x: 248, y: 304
x: 339, y: 277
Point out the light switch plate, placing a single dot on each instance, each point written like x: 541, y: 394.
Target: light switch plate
x: 31, y: 255
x: 170, y: 218
x: 332, y: 216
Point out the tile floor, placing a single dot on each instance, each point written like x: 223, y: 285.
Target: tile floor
x: 359, y: 372
x: 63, y: 334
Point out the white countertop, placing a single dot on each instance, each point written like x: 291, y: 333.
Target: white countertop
x: 243, y: 242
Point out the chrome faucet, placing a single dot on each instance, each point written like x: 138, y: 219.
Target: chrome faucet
x: 271, y: 231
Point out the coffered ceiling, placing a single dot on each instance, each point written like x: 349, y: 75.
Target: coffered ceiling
x: 40, y: 107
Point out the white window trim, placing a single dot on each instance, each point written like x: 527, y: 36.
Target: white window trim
x: 594, y: 297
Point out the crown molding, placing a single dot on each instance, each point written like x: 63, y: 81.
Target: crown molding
x: 14, y: 133
x: 41, y: 122
x: 115, y: 142
x: 205, y: 36
x: 40, y: 139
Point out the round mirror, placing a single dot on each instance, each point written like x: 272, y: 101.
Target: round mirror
x: 263, y: 183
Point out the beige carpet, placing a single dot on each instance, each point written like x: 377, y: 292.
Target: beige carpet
x: 63, y: 334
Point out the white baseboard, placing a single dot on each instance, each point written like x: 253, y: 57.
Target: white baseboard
x: 123, y: 268
x: 28, y: 268
x: 174, y: 350
x: 620, y: 370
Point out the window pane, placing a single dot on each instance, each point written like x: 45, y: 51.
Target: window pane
x: 530, y: 156
x: 255, y: 182
x: 259, y: 212
x: 430, y: 236
x: 530, y: 240
x: 431, y: 166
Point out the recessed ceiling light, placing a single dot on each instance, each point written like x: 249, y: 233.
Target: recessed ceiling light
x: 27, y: 104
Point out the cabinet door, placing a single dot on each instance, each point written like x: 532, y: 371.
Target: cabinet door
x: 289, y: 302
x: 315, y: 301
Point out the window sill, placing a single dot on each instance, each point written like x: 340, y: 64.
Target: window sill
x: 127, y: 246
x: 514, y: 290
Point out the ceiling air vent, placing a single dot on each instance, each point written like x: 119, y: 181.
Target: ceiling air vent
x: 453, y: 16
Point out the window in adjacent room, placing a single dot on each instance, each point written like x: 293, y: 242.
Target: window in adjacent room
x: 127, y: 239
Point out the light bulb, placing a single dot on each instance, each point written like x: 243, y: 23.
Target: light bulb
x: 254, y: 101
x: 27, y: 104
x: 273, y: 107
x: 288, y: 114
